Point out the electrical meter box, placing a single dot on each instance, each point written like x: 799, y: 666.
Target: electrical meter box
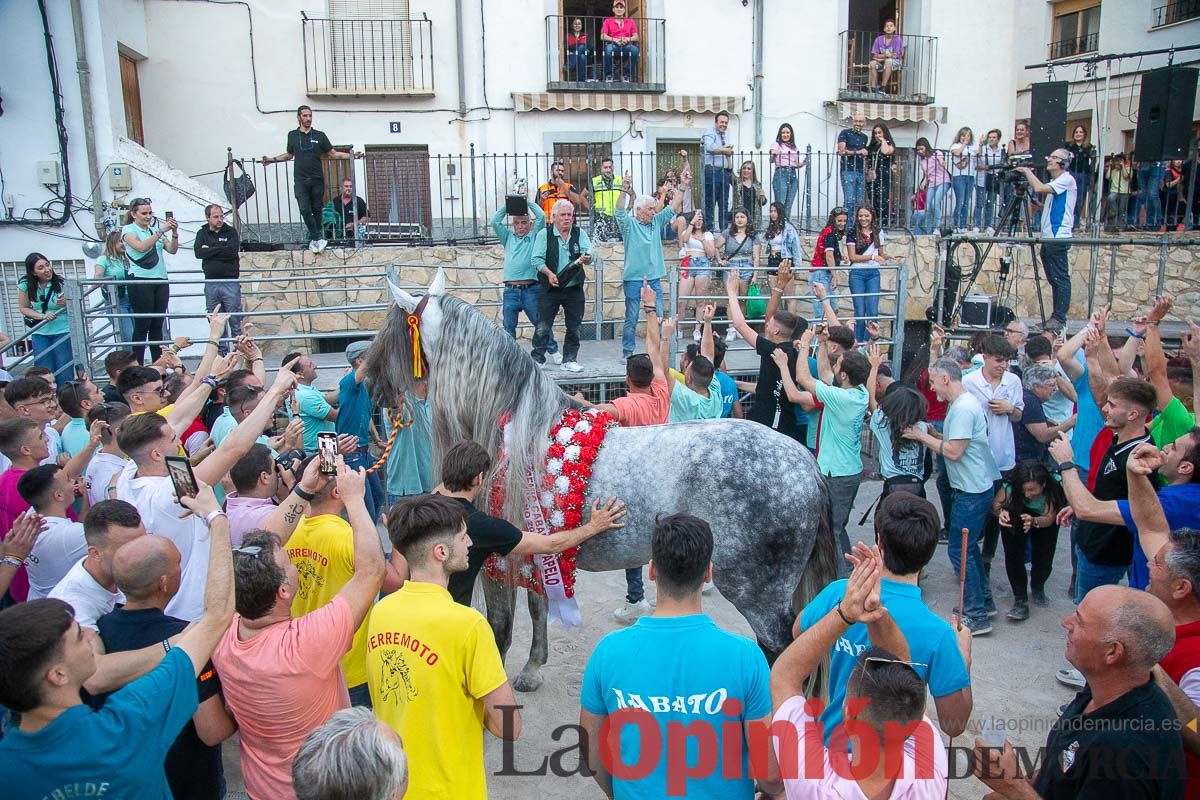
x: 48, y: 173
x: 120, y: 178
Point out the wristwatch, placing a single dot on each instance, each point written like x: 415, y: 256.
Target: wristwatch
x: 1064, y: 466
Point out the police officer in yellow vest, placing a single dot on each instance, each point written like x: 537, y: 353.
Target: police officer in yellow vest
x: 605, y: 194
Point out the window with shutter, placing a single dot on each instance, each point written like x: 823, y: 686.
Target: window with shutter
x: 370, y: 45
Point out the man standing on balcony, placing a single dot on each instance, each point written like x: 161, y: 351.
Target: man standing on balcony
x: 217, y: 248
x: 717, y: 175
x: 305, y: 145
x: 522, y: 290
x: 560, y: 252
x: 619, y: 34
x: 641, y: 230
x: 852, y: 147
x: 557, y: 188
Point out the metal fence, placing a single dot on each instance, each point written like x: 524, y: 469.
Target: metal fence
x: 365, y: 56
x: 1176, y: 12
x: 579, y: 58
x: 909, y: 62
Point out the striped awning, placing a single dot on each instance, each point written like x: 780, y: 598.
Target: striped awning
x: 902, y: 112
x: 622, y: 101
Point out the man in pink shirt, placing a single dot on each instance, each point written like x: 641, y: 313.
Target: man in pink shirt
x: 282, y: 676
x: 256, y: 486
x: 619, y: 34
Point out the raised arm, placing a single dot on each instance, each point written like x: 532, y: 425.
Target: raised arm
x: 1190, y: 347
x: 708, y: 347
x: 360, y: 591
x: 736, y: 318
x: 1083, y: 502
x: 1066, y: 354
x: 1153, y: 529
x: 1155, y: 360
x: 824, y: 367
x: 200, y: 639
x: 875, y: 355
x: 653, y: 343
x: 212, y: 469
x: 783, y: 277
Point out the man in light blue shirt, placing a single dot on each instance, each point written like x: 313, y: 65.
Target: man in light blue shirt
x: 718, y: 177
x: 651, y: 673
x: 76, y: 399
x: 521, y: 287
x: 410, y: 462
x: 643, y: 253
x: 311, y: 404
x: 972, y: 472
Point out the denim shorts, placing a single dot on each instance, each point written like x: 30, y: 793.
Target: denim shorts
x: 744, y: 266
x: 699, y: 267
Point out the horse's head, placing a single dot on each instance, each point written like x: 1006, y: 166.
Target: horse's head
x: 427, y: 309
x: 390, y: 362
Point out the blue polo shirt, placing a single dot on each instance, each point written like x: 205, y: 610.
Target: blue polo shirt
x: 313, y: 408
x: 643, y: 245
x: 1088, y: 422
x: 518, y: 250
x: 930, y: 638
x: 354, y: 409
x: 1181, y: 505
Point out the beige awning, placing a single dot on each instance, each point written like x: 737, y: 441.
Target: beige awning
x: 902, y: 112
x: 623, y: 101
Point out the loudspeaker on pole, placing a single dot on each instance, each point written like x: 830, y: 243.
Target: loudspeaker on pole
x: 1047, y: 118
x: 1164, y: 121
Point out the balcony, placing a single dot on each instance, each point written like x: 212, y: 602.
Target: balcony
x: 1181, y: 11
x: 910, y: 81
x: 1074, y: 46
x: 368, y: 57
x: 578, y: 61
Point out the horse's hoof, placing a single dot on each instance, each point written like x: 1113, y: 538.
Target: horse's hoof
x: 529, y: 681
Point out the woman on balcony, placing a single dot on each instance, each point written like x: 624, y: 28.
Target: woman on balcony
x: 577, y: 51
x: 149, y: 291
x: 879, y: 173
x: 962, y: 176
x: 934, y: 182
x: 1082, y: 169
x: 112, y: 266
x: 785, y: 183
x: 620, y: 37
x: 748, y: 193
x: 41, y: 302
x: 987, y: 183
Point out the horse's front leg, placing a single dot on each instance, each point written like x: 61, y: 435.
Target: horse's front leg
x: 501, y: 601
x: 530, y: 679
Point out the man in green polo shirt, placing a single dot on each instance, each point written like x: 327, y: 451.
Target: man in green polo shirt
x: 642, y: 232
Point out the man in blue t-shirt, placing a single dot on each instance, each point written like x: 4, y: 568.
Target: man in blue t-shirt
x: 63, y: 748
x: 309, y: 403
x: 650, y: 675
x: 354, y: 418
x: 906, y: 532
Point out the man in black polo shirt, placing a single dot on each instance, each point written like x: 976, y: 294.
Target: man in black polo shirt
x: 463, y: 469
x: 217, y: 248
x: 771, y: 406
x: 306, y: 145
x: 147, y: 571
x: 1120, y: 737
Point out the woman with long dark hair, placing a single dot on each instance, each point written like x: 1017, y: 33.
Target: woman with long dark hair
x: 1028, y: 504
x: 962, y: 177
x: 740, y: 254
x: 41, y: 302
x: 864, y: 251
x: 149, y: 291
x: 828, y: 253
x: 698, y: 247
x: 1082, y: 169
x: 879, y: 172
x: 901, y: 461
x: 935, y: 180
x: 785, y: 156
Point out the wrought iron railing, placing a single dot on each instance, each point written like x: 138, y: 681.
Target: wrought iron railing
x: 368, y: 56
x: 1176, y: 12
x: 902, y: 69
x: 584, y: 57
x: 1074, y: 45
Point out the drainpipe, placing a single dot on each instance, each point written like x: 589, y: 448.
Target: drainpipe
x: 85, y: 99
x: 758, y: 72
x: 462, y: 70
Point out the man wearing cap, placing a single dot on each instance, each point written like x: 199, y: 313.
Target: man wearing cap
x: 355, y: 413
x: 1058, y: 222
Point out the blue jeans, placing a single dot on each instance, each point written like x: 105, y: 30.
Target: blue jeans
x: 852, y: 190
x: 970, y: 510
x: 716, y: 196
x: 517, y: 299
x: 633, y: 310
x: 864, y: 281
x: 785, y: 183
x: 375, y: 496
x: 964, y: 187
x: 360, y: 695
x: 577, y: 62
x: 1149, y: 178
x: 1058, y: 274
x: 628, y: 54
x: 1088, y: 575
x: 985, y: 207
x: 635, y: 591
x: 54, y: 353
x: 825, y: 278
x: 227, y: 294
x: 932, y: 218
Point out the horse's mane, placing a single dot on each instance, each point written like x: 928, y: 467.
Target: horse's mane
x: 477, y: 375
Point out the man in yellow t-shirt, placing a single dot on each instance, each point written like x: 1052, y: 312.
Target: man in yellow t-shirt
x: 435, y: 673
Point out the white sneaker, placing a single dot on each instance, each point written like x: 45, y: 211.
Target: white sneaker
x: 572, y: 366
x: 731, y: 335
x: 628, y: 613
x: 555, y: 357
x: 696, y: 334
x: 990, y: 231
x: 322, y: 244
x: 312, y: 246
x: 974, y: 229
x: 1071, y: 677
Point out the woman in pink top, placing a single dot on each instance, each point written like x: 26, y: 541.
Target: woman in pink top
x: 785, y: 183
x: 934, y: 182
x: 620, y: 37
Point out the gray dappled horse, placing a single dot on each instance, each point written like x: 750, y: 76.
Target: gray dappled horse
x: 758, y: 489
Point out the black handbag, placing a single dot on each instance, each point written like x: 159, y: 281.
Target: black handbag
x: 238, y: 188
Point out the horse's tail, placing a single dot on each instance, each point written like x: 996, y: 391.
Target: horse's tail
x: 821, y: 570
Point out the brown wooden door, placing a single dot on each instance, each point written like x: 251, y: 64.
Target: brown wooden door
x: 131, y: 92
x: 398, y: 188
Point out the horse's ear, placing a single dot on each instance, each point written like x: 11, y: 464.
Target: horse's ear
x: 402, y: 297
x: 438, y: 287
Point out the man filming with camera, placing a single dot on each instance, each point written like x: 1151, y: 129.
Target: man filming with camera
x: 1058, y: 222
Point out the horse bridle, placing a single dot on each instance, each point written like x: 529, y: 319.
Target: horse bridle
x: 414, y: 327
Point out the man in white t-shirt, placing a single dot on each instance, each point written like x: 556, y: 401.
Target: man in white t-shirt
x: 49, y: 492
x: 1058, y: 223
x: 108, y: 460
x: 89, y: 586
x: 148, y: 439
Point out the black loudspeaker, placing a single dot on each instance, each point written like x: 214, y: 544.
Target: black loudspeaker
x: 1047, y: 119
x: 1164, y: 121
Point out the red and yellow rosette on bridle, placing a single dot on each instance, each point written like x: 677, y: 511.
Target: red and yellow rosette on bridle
x: 413, y: 320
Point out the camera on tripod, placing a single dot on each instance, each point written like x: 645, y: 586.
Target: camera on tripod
x: 1008, y: 171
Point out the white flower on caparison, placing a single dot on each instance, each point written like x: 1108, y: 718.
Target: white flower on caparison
x: 583, y: 426
x: 564, y: 435
x: 562, y: 484
x: 556, y: 519
x: 547, y: 499
x: 572, y: 453
x: 554, y: 466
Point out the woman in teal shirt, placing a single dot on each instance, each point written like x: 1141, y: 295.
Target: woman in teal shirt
x: 41, y: 302
x: 112, y: 266
x: 149, y: 292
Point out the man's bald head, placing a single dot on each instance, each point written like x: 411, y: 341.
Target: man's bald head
x: 147, y: 566
x: 1138, y: 620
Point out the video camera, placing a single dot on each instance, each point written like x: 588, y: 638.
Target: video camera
x: 1007, y: 171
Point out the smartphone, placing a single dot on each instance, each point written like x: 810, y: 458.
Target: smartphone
x: 170, y: 215
x: 182, y: 477
x: 327, y: 452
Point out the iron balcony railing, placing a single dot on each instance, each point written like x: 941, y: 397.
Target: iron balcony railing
x: 1074, y: 45
x: 354, y: 57
x: 582, y: 56
x: 1176, y: 12
x: 909, y: 63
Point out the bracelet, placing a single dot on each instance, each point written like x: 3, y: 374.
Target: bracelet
x: 208, y: 520
x: 650, y: 309
x: 1135, y: 334
x: 12, y: 562
x: 166, y: 645
x: 838, y: 609
x: 209, y: 381
x: 256, y: 359
x: 213, y: 342
x: 174, y: 348
x: 303, y: 495
x: 776, y: 289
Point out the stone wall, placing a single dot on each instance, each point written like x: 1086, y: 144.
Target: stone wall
x: 284, y: 284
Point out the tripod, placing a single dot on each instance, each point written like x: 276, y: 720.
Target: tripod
x: 1016, y: 219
